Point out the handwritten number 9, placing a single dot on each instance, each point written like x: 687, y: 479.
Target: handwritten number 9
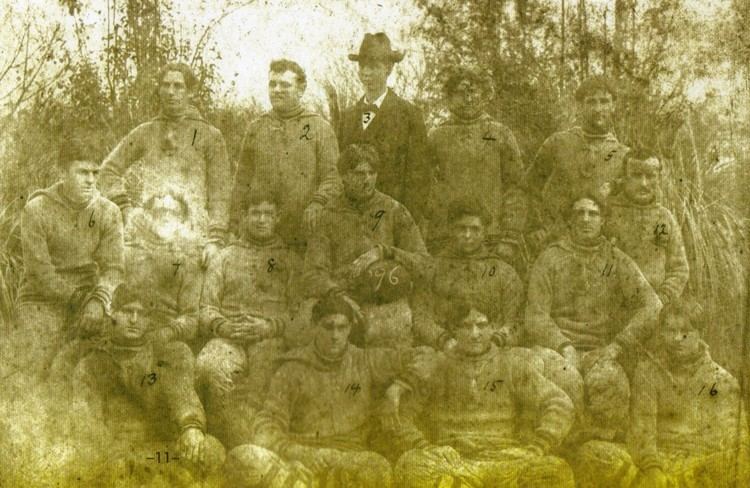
x: 380, y: 273
x: 377, y: 215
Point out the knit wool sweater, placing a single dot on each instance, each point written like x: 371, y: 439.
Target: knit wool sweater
x: 683, y: 410
x: 651, y: 236
x: 249, y: 277
x: 185, y: 152
x: 475, y: 403
x: 570, y: 163
x: 68, y: 246
x: 477, y: 157
x: 296, y: 155
x: 482, y: 279
x: 589, y: 296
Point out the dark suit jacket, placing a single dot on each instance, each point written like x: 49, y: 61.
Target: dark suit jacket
x: 399, y: 135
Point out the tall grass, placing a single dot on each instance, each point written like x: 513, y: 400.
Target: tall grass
x: 700, y: 189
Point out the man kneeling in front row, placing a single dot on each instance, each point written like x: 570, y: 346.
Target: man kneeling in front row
x: 474, y: 399
x: 318, y: 412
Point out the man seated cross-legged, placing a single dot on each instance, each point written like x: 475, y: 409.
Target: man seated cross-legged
x: 318, y: 412
x: 246, y: 305
x: 473, y: 401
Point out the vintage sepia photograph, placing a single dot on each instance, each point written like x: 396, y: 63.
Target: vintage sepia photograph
x: 374, y: 243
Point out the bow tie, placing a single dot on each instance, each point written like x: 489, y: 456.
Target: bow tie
x: 369, y: 107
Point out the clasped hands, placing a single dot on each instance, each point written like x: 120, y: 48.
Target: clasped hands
x: 249, y: 328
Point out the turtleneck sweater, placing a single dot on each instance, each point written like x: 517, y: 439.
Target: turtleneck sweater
x: 183, y: 151
x: 250, y: 277
x: 68, y: 246
x: 474, y: 403
x: 650, y: 235
x: 294, y: 153
x: 570, y: 163
x: 588, y: 296
x: 349, y: 229
x: 480, y: 278
x: 682, y: 409
x: 304, y: 401
x: 473, y: 157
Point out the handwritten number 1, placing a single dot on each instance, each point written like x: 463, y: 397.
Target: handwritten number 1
x: 92, y: 222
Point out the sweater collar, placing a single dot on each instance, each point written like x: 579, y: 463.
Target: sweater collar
x: 288, y: 114
x: 568, y: 244
x: 190, y: 112
x: 249, y: 242
x: 456, y: 120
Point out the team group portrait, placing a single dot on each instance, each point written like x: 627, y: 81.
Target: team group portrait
x: 416, y: 243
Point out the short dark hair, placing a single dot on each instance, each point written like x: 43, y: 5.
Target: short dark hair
x: 187, y: 74
x: 259, y: 194
x: 459, y: 309
x: 283, y: 65
x: 639, y: 154
x: 355, y: 154
x: 331, y: 304
x: 593, y: 84
x: 683, y: 307
x: 594, y: 197
x: 468, y: 206
x: 75, y: 148
x: 461, y: 73
x: 125, y: 294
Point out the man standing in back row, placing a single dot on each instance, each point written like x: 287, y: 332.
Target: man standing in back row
x: 291, y: 151
x: 180, y: 148
x: 394, y: 126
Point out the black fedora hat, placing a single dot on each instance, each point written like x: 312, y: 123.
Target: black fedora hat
x: 377, y: 46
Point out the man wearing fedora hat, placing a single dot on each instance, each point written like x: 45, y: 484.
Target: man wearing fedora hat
x: 394, y: 126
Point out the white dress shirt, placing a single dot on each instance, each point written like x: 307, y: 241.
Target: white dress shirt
x: 369, y: 115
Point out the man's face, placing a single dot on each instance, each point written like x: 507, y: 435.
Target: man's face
x: 359, y: 182
x: 642, y: 180
x: 127, y: 324
x: 597, y: 108
x: 467, y: 101
x: 261, y: 220
x: 168, y: 217
x: 80, y: 180
x: 332, y: 334
x: 284, y: 90
x: 173, y: 92
x: 474, y: 334
x: 515, y: 214
x: 374, y: 75
x: 468, y: 234
x: 680, y: 339
x: 586, y: 221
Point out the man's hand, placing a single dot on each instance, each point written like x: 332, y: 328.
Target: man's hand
x: 390, y: 418
x: 251, y: 329
x: 365, y: 260
x: 192, y: 445
x: 92, y: 317
x: 209, y: 251
x: 356, y: 309
x: 654, y: 478
x: 450, y: 344
x: 314, y: 459
x: 450, y: 455
x: 611, y: 352
x: 571, y: 356
x: 311, y: 217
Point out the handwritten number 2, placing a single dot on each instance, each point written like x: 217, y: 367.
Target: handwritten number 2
x: 305, y: 132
